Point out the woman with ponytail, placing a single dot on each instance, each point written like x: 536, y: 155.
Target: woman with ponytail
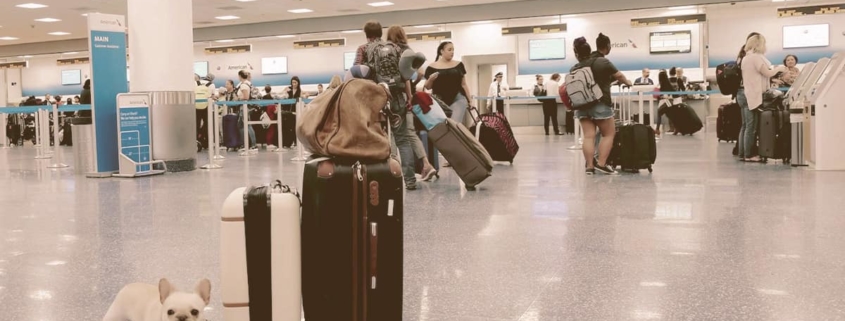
x: 446, y: 80
x: 599, y: 115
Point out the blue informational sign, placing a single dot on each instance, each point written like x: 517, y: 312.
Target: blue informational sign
x: 134, y: 126
x: 107, y: 44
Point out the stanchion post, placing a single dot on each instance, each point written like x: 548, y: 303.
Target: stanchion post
x: 279, y: 139
x: 3, y: 137
x: 58, y: 160
x: 212, y: 117
x: 642, y: 109
x: 218, y: 124
x: 245, y: 115
x: 40, y: 119
x: 507, y: 107
x: 300, y: 152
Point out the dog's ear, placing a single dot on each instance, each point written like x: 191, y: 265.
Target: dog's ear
x: 203, y: 289
x: 164, y: 289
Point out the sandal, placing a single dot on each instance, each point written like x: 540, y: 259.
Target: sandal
x: 428, y: 176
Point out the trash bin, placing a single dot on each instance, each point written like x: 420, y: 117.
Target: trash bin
x: 82, y: 132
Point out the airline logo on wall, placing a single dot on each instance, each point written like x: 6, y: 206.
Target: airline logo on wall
x: 247, y: 66
x: 630, y: 44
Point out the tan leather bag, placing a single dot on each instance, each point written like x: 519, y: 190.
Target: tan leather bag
x: 346, y: 122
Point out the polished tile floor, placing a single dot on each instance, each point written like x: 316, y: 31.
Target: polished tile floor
x: 702, y: 238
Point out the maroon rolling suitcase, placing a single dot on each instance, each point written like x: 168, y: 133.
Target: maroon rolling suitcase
x: 496, y: 135
x: 352, y: 236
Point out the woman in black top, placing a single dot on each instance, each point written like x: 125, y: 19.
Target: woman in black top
x: 85, y: 98
x: 288, y: 116
x: 446, y: 80
x: 666, y: 85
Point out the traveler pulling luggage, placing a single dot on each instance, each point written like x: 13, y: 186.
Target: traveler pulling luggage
x: 729, y: 122
x: 634, y: 145
x: 260, y: 272
x: 494, y: 132
x: 352, y: 240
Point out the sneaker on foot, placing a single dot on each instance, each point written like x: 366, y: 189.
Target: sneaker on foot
x: 606, y: 170
x: 411, y: 187
x: 590, y: 171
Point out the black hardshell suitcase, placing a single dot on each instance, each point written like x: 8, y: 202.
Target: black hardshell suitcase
x: 352, y: 241
x: 684, y: 118
x: 634, y: 148
x: 775, y: 135
x: 729, y: 122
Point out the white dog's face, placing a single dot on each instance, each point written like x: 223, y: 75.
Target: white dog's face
x: 184, y: 306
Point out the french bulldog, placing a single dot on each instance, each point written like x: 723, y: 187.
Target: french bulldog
x: 146, y: 302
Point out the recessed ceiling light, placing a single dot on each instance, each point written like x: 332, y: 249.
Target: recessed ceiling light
x: 424, y: 26
x: 286, y: 36
x: 300, y: 10
x: 48, y: 20
x: 682, y: 8
x: 225, y: 40
x: 380, y: 4
x: 59, y: 33
x: 227, y: 17
x: 86, y: 14
x: 8, y: 38
x: 31, y: 6
x: 70, y: 53
x: 26, y: 56
x: 351, y: 31
x: 481, y: 22
x: 245, y: 0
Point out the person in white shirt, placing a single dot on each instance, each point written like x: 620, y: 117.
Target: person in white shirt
x: 757, y: 72
x: 244, y: 92
x: 498, y: 89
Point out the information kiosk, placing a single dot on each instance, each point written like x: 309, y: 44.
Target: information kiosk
x: 827, y: 113
x: 796, y: 115
x: 801, y: 101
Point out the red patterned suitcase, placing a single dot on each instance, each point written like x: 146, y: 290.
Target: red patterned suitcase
x: 496, y: 136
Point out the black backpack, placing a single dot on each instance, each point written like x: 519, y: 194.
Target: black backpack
x: 729, y: 77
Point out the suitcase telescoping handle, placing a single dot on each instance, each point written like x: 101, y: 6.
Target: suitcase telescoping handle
x: 373, y: 254
x: 477, y: 119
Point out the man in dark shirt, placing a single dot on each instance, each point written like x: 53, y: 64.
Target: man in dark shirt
x: 644, y: 80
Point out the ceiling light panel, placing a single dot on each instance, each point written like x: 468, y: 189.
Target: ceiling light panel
x: 8, y: 38
x: 227, y: 18
x: 48, y: 20
x: 59, y: 33
x: 31, y: 6
x: 303, y: 10
x: 380, y: 4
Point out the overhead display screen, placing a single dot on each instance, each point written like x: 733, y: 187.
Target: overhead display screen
x: 348, y: 60
x: 806, y: 36
x: 547, y: 49
x: 671, y: 42
x: 201, y: 68
x: 274, y: 65
x: 71, y: 77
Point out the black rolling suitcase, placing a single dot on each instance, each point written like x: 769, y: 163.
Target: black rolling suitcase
x: 684, y: 118
x: 729, y: 122
x: 352, y: 241
x: 634, y: 148
x: 775, y: 135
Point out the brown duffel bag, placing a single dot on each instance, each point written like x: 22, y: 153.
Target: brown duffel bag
x: 346, y: 122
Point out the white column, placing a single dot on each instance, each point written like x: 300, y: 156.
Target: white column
x: 161, y: 60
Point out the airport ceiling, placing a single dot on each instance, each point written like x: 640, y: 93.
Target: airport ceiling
x: 20, y: 30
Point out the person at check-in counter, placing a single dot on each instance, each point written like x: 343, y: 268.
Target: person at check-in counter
x: 644, y: 80
x: 85, y: 98
x: 788, y: 77
x: 498, y: 89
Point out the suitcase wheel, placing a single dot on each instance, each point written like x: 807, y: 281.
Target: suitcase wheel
x: 650, y: 169
x: 470, y: 187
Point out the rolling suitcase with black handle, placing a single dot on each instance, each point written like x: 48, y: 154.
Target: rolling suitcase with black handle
x: 467, y: 156
x: 352, y: 213
x: 775, y: 135
x: 684, y: 118
x: 729, y: 122
x: 496, y: 135
x: 260, y: 268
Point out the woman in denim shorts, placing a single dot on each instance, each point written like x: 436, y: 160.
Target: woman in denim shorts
x: 599, y: 115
